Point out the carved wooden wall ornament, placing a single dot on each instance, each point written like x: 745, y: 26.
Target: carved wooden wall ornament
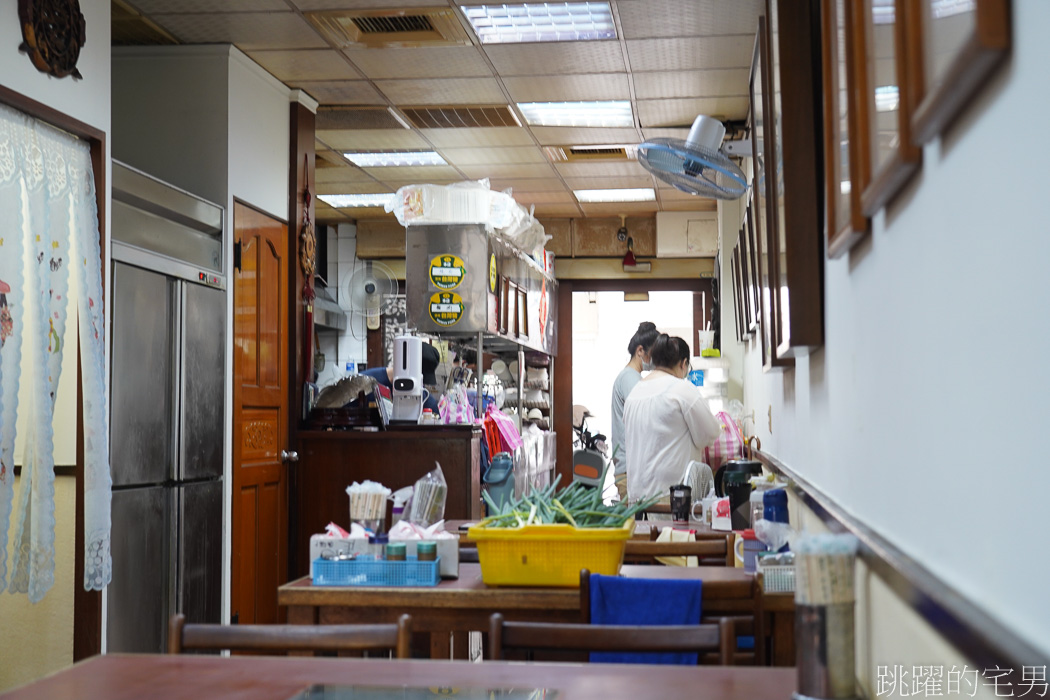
x: 53, y: 32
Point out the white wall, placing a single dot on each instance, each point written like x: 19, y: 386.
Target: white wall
x: 351, y: 345
x: 171, y: 115
x: 38, y: 639
x: 921, y: 413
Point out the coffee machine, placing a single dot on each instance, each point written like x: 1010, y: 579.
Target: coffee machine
x: 407, y: 379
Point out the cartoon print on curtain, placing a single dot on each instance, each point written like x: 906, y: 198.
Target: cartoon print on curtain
x: 12, y: 313
x: 62, y: 225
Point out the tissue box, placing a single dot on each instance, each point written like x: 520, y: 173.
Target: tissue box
x: 448, y: 551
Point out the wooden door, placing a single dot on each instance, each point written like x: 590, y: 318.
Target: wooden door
x: 260, y: 416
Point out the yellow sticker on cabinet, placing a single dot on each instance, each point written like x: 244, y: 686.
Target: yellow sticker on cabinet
x: 447, y: 271
x: 446, y: 308
x: 492, y: 273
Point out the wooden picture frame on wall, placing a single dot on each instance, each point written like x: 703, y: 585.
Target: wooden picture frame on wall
x: 793, y: 148
x: 759, y: 95
x: 846, y: 152
x: 888, y: 86
x: 743, y: 288
x: 960, y: 44
x: 738, y: 298
x: 751, y: 271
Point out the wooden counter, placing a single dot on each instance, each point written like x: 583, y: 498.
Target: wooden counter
x: 329, y: 461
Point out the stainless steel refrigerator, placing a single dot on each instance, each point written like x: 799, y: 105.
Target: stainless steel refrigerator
x: 167, y: 411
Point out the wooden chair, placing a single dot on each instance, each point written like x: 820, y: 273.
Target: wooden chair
x: 284, y: 638
x: 739, y: 625
x: 627, y: 638
x: 709, y: 552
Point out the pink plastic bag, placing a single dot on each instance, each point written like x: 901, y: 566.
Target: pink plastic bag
x: 729, y: 445
x: 508, y: 432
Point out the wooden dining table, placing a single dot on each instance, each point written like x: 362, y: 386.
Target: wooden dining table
x: 465, y: 604
x: 167, y: 677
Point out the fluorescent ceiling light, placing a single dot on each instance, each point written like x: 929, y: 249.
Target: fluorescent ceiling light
x: 547, y: 21
x: 613, y: 113
x: 344, y: 201
x: 395, y: 158
x: 641, y: 194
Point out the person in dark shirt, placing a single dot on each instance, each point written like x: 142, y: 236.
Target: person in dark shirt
x: 431, y: 358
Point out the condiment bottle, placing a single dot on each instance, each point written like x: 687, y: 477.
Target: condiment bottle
x: 378, y: 547
x: 395, y: 551
x: 426, y: 551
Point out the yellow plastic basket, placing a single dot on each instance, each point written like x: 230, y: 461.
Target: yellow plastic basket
x: 548, y: 555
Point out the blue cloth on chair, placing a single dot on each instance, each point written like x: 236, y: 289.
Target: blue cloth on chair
x: 641, y: 601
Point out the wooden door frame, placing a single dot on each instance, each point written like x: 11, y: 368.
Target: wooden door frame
x: 563, y: 361
x: 87, y: 605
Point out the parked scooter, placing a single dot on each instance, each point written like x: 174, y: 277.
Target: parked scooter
x: 589, y: 457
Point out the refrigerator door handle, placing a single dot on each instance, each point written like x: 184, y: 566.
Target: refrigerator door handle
x: 289, y: 456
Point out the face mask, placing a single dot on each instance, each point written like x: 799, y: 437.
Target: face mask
x: 647, y: 366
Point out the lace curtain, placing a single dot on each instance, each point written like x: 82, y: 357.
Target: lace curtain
x: 48, y: 244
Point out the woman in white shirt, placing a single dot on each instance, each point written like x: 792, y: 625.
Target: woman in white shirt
x: 639, y: 346
x: 667, y: 423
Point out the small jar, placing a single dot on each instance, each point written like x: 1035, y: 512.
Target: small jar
x: 378, y: 546
x: 426, y: 551
x: 395, y: 551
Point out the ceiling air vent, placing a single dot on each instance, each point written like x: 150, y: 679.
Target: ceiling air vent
x: 386, y: 29
x: 349, y: 118
x: 567, y: 154
x: 459, y: 117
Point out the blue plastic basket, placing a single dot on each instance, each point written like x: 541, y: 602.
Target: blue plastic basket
x: 366, y: 571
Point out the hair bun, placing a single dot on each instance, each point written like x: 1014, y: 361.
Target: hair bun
x: 646, y: 326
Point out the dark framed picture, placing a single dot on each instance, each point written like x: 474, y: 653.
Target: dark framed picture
x: 846, y: 152
x: 738, y: 306
x: 793, y: 169
x: 751, y: 271
x: 888, y: 85
x: 961, y: 43
x: 743, y: 288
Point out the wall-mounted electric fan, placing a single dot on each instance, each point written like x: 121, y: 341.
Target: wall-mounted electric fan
x: 697, y: 165
x: 366, y: 288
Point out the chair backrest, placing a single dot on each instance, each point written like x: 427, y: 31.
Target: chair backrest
x: 715, y: 552
x: 627, y: 638
x: 397, y: 636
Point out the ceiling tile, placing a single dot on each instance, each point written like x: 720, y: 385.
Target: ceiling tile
x: 497, y: 156
x: 526, y: 185
x: 419, y: 173
x: 372, y: 139
x: 617, y: 208
x: 443, y: 91
x: 370, y: 187
x: 671, y: 113
x: 397, y: 184
x: 436, y: 62
x: 491, y: 137
x: 700, y: 53
x: 678, y: 133
x: 305, y: 64
x: 193, y: 6
x: 609, y: 183
x: 307, y: 5
x: 342, y: 175
x: 527, y: 198
x: 477, y: 172
x: 642, y: 19
x: 707, y: 83
x: 248, y: 30
x: 569, y: 88
x: 341, y: 92
x: 601, y: 169
x: 575, y: 136
x: 557, y: 58
x: 552, y: 210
